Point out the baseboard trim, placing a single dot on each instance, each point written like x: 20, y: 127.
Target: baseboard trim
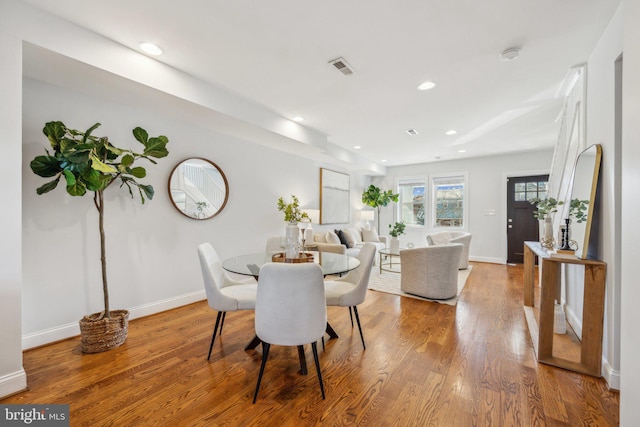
x: 13, y: 383
x: 490, y: 260
x: 611, y: 376
x: 47, y: 336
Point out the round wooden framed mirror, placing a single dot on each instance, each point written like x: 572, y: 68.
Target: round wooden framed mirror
x: 198, y: 188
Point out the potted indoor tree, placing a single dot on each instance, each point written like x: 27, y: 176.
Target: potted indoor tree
x: 395, y: 231
x: 377, y: 198
x: 92, y: 164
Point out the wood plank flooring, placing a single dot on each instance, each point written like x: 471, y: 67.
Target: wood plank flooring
x: 426, y: 364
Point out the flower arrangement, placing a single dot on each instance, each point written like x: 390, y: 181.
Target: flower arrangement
x: 292, y: 212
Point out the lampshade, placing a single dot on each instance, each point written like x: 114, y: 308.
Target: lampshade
x: 366, y: 215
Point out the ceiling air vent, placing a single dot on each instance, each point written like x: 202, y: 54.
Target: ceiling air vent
x: 412, y: 132
x: 342, y: 66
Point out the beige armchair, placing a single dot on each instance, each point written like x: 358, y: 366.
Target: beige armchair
x: 432, y: 271
x: 444, y: 237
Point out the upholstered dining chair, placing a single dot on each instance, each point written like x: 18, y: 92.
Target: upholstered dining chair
x: 432, y: 271
x: 290, y: 311
x: 223, y: 293
x: 351, y: 290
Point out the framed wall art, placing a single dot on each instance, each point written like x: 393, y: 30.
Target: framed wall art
x: 334, y: 197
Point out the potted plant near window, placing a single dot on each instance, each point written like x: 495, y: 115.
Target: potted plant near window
x: 395, y: 231
x: 92, y: 164
x: 377, y: 198
x: 544, y: 209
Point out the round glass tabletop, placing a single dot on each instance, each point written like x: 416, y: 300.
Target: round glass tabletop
x: 249, y: 264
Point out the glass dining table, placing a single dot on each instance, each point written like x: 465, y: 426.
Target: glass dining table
x: 249, y: 265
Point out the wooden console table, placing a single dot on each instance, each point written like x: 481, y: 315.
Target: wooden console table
x: 592, y: 312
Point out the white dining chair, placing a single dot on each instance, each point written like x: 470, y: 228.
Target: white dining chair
x: 223, y: 293
x: 290, y: 311
x: 351, y: 290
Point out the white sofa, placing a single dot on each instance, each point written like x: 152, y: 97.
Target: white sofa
x: 329, y: 241
x: 444, y: 237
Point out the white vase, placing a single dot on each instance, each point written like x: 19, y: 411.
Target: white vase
x: 394, y: 245
x: 292, y: 245
x: 547, y: 239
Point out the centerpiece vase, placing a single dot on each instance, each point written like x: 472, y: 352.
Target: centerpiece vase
x: 291, y: 249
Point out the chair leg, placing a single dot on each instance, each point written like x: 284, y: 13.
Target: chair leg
x: 303, y: 360
x: 215, y: 329
x: 224, y: 315
x: 351, y: 316
x: 315, y: 357
x: 355, y: 310
x: 265, y: 354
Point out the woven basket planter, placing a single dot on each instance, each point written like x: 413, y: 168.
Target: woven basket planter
x: 101, y: 334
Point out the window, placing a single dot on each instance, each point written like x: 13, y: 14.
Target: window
x: 449, y: 195
x: 411, y: 201
x: 525, y: 191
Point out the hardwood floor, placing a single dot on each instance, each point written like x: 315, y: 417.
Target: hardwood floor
x: 425, y: 364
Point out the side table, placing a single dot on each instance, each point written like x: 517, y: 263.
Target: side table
x: 592, y: 311
x: 389, y: 264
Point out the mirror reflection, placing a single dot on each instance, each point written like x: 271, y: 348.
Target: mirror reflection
x: 198, y: 188
x: 585, y: 182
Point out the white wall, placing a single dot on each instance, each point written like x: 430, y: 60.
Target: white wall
x: 486, y: 190
x: 151, y: 248
x: 12, y: 376
x: 601, y: 130
x: 630, y: 291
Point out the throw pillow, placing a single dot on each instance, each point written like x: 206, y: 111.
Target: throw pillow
x: 370, y: 236
x: 351, y: 240
x: 332, y: 237
x: 342, y: 238
x: 320, y: 237
x: 440, y: 238
x: 357, y: 236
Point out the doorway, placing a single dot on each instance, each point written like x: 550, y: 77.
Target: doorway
x: 521, y: 224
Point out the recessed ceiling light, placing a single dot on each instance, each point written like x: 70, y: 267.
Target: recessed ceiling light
x: 383, y: 160
x: 451, y: 132
x: 462, y: 151
x: 509, y: 54
x: 297, y: 119
x: 426, y: 85
x: 151, y: 49
x: 356, y: 147
x: 412, y: 132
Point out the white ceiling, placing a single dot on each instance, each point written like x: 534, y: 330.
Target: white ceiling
x: 276, y: 53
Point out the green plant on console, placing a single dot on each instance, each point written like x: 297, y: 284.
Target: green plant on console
x: 397, y: 229
x: 292, y: 212
x: 377, y: 198
x: 578, y: 209
x: 90, y: 163
x: 545, y: 207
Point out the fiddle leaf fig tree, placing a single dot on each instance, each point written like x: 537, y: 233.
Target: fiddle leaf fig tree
x: 93, y: 164
x: 377, y: 198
